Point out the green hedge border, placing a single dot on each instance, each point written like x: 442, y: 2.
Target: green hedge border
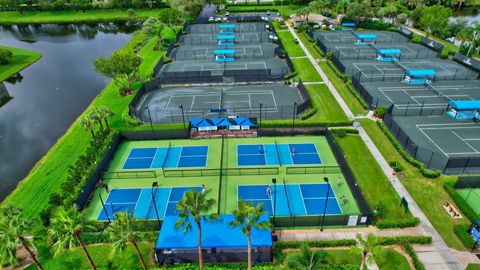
x: 348, y: 84
x: 421, y: 167
x: 398, y: 223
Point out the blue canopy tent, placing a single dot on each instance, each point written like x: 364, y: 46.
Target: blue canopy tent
x: 419, y: 76
x: 348, y: 24
x: 243, y: 122
x: 226, y: 40
x: 224, y: 55
x: 464, y: 109
x: 388, y: 55
x: 227, y: 28
x: 365, y: 39
x: 218, y: 238
x: 202, y: 124
x: 221, y: 122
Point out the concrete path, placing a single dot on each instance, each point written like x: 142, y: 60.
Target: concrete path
x: 439, y: 255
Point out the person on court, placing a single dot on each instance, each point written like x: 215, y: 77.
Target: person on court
x: 204, y: 189
x: 268, y: 191
x: 293, y: 151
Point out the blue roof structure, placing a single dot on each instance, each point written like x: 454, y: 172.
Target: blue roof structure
x: 366, y: 36
x: 220, y: 52
x: 196, y: 121
x: 465, y: 105
x: 421, y: 72
x: 243, y: 121
x: 226, y: 37
x: 389, y: 51
x: 348, y: 24
x: 214, y: 235
x: 221, y: 122
x: 227, y: 26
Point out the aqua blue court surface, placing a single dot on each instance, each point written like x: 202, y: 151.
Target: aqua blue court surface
x: 277, y: 154
x: 292, y: 199
x: 167, y: 157
x: 140, y: 202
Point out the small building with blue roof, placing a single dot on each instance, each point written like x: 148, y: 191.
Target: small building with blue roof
x: 464, y: 109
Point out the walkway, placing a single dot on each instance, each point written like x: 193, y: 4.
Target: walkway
x: 439, y: 255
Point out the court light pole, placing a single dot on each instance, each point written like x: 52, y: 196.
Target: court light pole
x: 183, y: 116
x: 293, y: 117
x: 260, y: 122
x: 326, y: 202
x: 154, y: 185
x: 274, y: 181
x: 149, y: 117
x: 103, y: 203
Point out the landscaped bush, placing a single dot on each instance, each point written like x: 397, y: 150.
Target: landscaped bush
x: 380, y: 112
x: 398, y: 240
x: 350, y: 87
x: 397, y: 166
x: 344, y: 130
x: 411, y: 252
x: 5, y: 56
x: 397, y: 223
x: 462, y: 232
x: 421, y: 167
x: 463, y: 206
x: 374, y: 25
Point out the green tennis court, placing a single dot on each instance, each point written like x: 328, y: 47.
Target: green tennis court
x: 472, y: 197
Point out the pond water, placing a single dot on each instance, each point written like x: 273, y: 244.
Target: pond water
x: 51, y: 93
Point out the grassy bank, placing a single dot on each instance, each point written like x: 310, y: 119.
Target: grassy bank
x: 428, y: 193
x: 74, y: 16
x: 20, y: 60
x: 48, y: 174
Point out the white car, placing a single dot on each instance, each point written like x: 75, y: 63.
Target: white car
x: 211, y: 19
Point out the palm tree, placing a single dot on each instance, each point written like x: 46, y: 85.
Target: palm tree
x: 104, y: 113
x: 247, y: 217
x: 87, y: 123
x: 123, y: 230
x: 96, y: 116
x: 366, y: 247
x: 14, y: 229
x: 194, y: 205
x: 306, y: 259
x: 65, y: 228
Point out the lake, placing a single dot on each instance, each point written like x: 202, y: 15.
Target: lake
x: 54, y: 91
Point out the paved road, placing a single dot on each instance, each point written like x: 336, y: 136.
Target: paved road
x: 438, y: 255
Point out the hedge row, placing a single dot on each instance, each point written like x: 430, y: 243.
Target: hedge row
x: 398, y: 223
x: 413, y: 255
x: 421, y: 167
x: 317, y: 244
x: 398, y: 240
x: 463, y: 206
x: 348, y: 84
x: 288, y: 123
x: 462, y: 232
x: 102, y: 237
x: 344, y: 130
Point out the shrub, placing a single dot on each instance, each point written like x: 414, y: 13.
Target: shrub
x: 129, y: 120
x: 421, y: 167
x: 374, y: 25
x: 344, y: 130
x: 301, y: 28
x: 461, y: 230
x: 380, y: 112
x: 397, y: 223
x: 348, y: 84
x: 5, y: 56
x: 397, y: 166
x: 411, y: 252
x: 398, y: 240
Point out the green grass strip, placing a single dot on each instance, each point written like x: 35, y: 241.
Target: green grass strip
x: 20, y: 60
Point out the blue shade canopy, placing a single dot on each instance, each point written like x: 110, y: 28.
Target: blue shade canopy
x: 196, y: 121
x: 348, y: 24
x: 421, y: 72
x: 464, y: 105
x: 243, y: 121
x: 226, y: 37
x: 227, y: 26
x: 389, y: 51
x: 366, y: 36
x: 220, y: 52
x: 214, y: 235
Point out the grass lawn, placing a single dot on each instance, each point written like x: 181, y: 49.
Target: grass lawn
x: 306, y: 70
x: 391, y: 259
x: 48, y: 174
x: 375, y: 186
x: 342, y: 256
x: 429, y: 194
x: 472, y: 266
x: 311, y: 46
x: 101, y: 255
x: 341, y: 87
x: 326, y: 104
x: 288, y: 41
x: 20, y: 60
x: 74, y: 16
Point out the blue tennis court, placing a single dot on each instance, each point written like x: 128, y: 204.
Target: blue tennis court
x: 167, y: 157
x: 292, y: 199
x: 277, y: 154
x: 139, y: 200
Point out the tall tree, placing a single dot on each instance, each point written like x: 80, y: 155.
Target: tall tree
x: 105, y: 113
x: 96, y: 116
x: 306, y: 259
x: 123, y: 230
x: 366, y: 247
x: 14, y: 232
x: 194, y: 207
x: 434, y: 19
x: 359, y: 11
x: 123, y: 67
x: 248, y: 217
x: 65, y: 230
x: 87, y: 123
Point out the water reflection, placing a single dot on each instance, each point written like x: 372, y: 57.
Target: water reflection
x: 49, y: 95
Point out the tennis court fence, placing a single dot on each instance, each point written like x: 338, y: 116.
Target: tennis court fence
x: 171, y: 173
x: 432, y: 44
x: 373, y: 76
x: 471, y: 63
x: 352, y: 54
x: 404, y: 31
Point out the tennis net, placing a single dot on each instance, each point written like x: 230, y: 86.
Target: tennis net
x: 286, y: 196
x: 440, y: 94
x: 372, y: 44
x: 166, y: 155
x: 278, y: 153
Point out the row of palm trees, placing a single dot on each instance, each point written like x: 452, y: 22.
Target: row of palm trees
x: 98, y: 115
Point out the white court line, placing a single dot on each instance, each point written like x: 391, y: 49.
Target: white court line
x: 433, y: 142
x: 458, y: 136
x: 439, y: 128
x: 192, y: 103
